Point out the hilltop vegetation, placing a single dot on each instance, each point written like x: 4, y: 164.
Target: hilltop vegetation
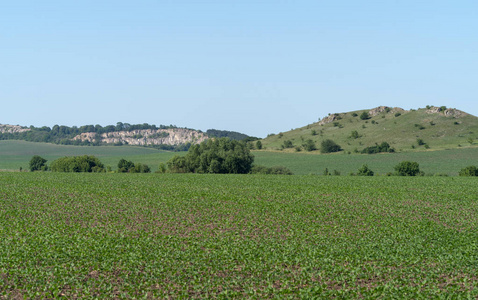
x: 366, y: 130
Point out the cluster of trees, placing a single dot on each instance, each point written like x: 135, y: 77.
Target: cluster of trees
x: 233, y: 135
x: 214, y: 156
x: 84, y: 163
x: 125, y: 166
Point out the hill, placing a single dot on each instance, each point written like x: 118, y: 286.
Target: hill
x: 430, y: 128
x: 161, y: 137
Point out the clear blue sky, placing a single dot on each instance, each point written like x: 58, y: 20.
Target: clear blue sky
x: 256, y: 67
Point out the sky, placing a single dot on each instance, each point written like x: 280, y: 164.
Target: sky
x: 256, y: 67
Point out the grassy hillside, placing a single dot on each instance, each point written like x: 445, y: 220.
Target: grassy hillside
x: 16, y: 154
x: 445, y: 129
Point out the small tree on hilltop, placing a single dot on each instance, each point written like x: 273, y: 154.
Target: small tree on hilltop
x: 38, y: 163
x: 407, y: 168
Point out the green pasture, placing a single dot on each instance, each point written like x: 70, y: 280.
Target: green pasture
x: 183, y: 236
x: 16, y: 154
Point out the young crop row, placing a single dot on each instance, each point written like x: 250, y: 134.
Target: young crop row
x: 232, y: 236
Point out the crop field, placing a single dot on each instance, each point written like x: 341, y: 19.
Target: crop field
x: 237, y: 236
x: 448, y: 162
x: 16, y: 154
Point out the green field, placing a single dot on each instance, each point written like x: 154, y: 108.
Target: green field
x: 16, y: 154
x: 237, y: 236
x: 448, y: 162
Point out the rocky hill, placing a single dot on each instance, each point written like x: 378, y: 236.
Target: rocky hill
x: 145, y: 137
x: 4, y: 128
x: 429, y: 128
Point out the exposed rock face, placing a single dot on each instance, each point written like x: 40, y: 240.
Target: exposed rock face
x: 448, y: 112
x: 176, y: 136
x: 329, y: 119
x: 381, y: 109
x: 373, y: 112
x: 12, y: 128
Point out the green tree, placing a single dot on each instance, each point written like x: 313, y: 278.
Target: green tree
x: 365, y: 171
x: 364, y: 116
x: 469, y: 171
x: 258, y: 145
x: 407, y: 168
x: 329, y: 146
x: 125, y: 166
x: 38, y: 163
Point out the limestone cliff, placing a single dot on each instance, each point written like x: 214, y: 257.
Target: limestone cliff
x: 12, y: 128
x: 174, y: 136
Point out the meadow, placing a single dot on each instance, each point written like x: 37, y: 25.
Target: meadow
x: 237, y: 236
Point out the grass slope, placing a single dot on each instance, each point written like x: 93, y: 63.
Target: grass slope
x: 16, y: 154
x: 184, y: 236
x: 401, y: 132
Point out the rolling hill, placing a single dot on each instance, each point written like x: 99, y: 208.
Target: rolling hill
x: 430, y: 128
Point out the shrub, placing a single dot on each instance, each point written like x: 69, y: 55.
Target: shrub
x: 420, y: 142
x: 329, y: 146
x: 354, y: 114
x: 276, y: 170
x: 38, y: 163
x: 383, y: 147
x: 309, y: 145
x: 287, y: 144
x: 364, y: 116
x: 365, y: 171
x: 407, y: 168
x: 469, y: 171
x: 397, y: 114
x: 354, y: 134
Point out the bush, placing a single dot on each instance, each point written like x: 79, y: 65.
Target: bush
x: 84, y: 163
x: 469, y: 171
x: 329, y: 146
x: 38, y: 163
x: 383, y: 147
x: 309, y: 145
x: 364, y: 116
x: 354, y: 134
x: 258, y: 145
x: 397, y: 114
x: 407, y: 168
x: 287, y: 144
x: 276, y: 170
x: 365, y: 171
